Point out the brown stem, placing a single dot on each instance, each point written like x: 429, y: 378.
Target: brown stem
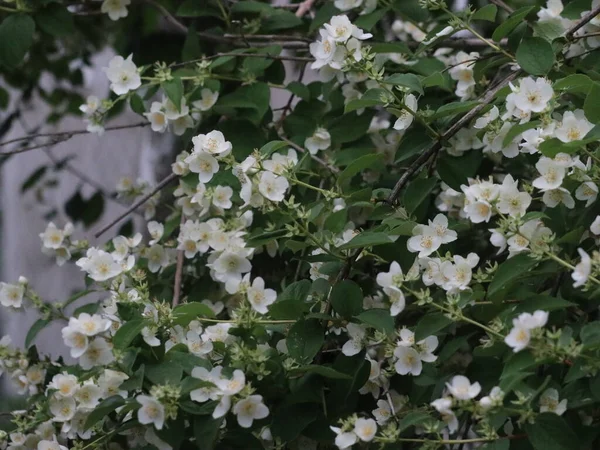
x: 304, y: 7
x: 178, y: 272
x: 502, y: 5
x: 136, y: 205
x: 584, y: 20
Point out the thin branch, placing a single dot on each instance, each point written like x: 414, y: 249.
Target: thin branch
x: 313, y: 157
x: 437, y: 145
x: 61, y: 136
x: 136, y: 205
x: 167, y: 15
x: 584, y: 20
x: 502, y: 5
x: 178, y: 272
x: 245, y: 55
x: 304, y: 7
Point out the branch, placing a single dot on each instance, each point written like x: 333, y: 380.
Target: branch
x: 178, y: 271
x: 245, y: 55
x: 136, y: 205
x: 437, y: 145
x: 503, y: 5
x: 313, y: 157
x: 304, y: 7
x: 584, y: 20
x: 59, y: 136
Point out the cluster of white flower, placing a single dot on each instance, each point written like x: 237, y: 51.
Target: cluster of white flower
x: 339, y: 40
x: 461, y: 70
x: 520, y: 335
x: 129, y: 189
x: 87, y: 337
x: 26, y: 377
x: 58, y: 243
x: 230, y: 393
x: 353, y: 431
x: 409, y: 355
x: 11, y: 295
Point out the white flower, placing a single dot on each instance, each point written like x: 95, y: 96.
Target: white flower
x: 393, y: 278
x: 408, y: 361
x: 11, y: 295
x: 425, y: 240
x: 156, y: 116
x: 353, y: 345
x: 582, y: 270
x: 156, y: 231
x: 62, y: 408
x: 549, y: 402
x: 110, y: 381
x: 518, y: 338
x: 461, y: 388
x: 50, y: 445
x: 406, y: 118
x: 208, y: 100
x: 533, y: 95
x: 574, y: 126
x: 440, y: 226
x: 90, y: 325
x: 98, y: 353
x: 88, y: 395
x: 91, y: 105
x: 273, y: 187
x: 345, y: 5
x: 157, y: 258
x: 52, y: 237
x: 115, y: 9
x: 203, y: 164
x: 259, y: 297
x: 485, y: 119
x: 320, y: 140
x: 123, y: 75
x: 151, y: 411
x: 554, y: 197
x: 222, y: 197
x: 552, y: 174
x: 595, y: 226
x: 339, y: 28
x: 426, y: 347
x: 75, y: 340
x: 344, y: 439
x: 494, y: 399
x: 588, y: 192
x: 66, y: 385
x: 279, y: 163
x: 99, y: 265
x: 213, y: 143
x: 397, y: 300
x: 365, y: 429
x: 230, y: 265
x: 249, y: 409
x: 531, y: 321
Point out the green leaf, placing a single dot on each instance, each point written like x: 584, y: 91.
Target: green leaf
x: 364, y: 162
x: 16, y: 36
x: 591, y: 106
x: 574, y: 83
x: 413, y: 418
x: 488, y: 12
x: 127, y: 333
x: 37, y: 326
x: 206, y: 431
x: 186, y: 361
x: 544, y: 302
x: 407, y: 80
x: 349, y: 127
x: 508, y: 272
x: 137, y: 104
x: 430, y: 324
x: 135, y: 382
x: 453, y: 108
x: 305, y: 339
x: 56, y: 20
x: 324, y: 371
x: 196, y: 409
x: 590, y: 335
x: 102, y: 410
x: 194, y: 8
x: 346, y: 298
x: 191, y: 47
x: 367, y: 239
x: 174, y: 90
x: 90, y: 308
x: 297, y: 292
x: 299, y: 90
x: 183, y: 314
x: 379, y: 319
x: 368, y: 21
x: 290, y: 420
x: 272, y: 147
x: 511, y: 22
x: 517, y: 129
x: 280, y: 19
x: 373, y: 97
x: 417, y: 192
x: 551, y: 432
x: 455, y: 170
x: 535, y: 55
x: 165, y: 373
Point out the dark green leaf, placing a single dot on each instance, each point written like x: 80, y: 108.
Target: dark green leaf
x: 37, y: 326
x: 535, y: 55
x: 509, y: 272
x: 185, y: 313
x: 378, y: 318
x: 590, y: 335
x: 518, y: 129
x: 591, y: 106
x: 324, y: 371
x: 127, y: 333
x: 206, y: 430
x: 367, y: 239
x: 16, y: 36
x: 165, y: 373
x: 551, y: 432
x: 56, y: 20
x: 417, y: 192
x: 511, y: 22
x: 305, y: 339
x: 406, y: 80
x: 174, y: 90
x: 574, y: 83
x: 103, y: 409
x: 346, y: 298
x: 488, y: 12
x: 430, y: 324
x: 290, y: 420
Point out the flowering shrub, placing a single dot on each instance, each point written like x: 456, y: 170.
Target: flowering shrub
x: 403, y: 256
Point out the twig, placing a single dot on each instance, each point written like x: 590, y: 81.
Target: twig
x: 62, y: 135
x: 245, y: 55
x: 178, y: 271
x: 502, y: 5
x: 584, y: 20
x: 136, y: 205
x: 304, y: 7
x: 313, y: 157
x: 436, y: 146
x: 167, y: 15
